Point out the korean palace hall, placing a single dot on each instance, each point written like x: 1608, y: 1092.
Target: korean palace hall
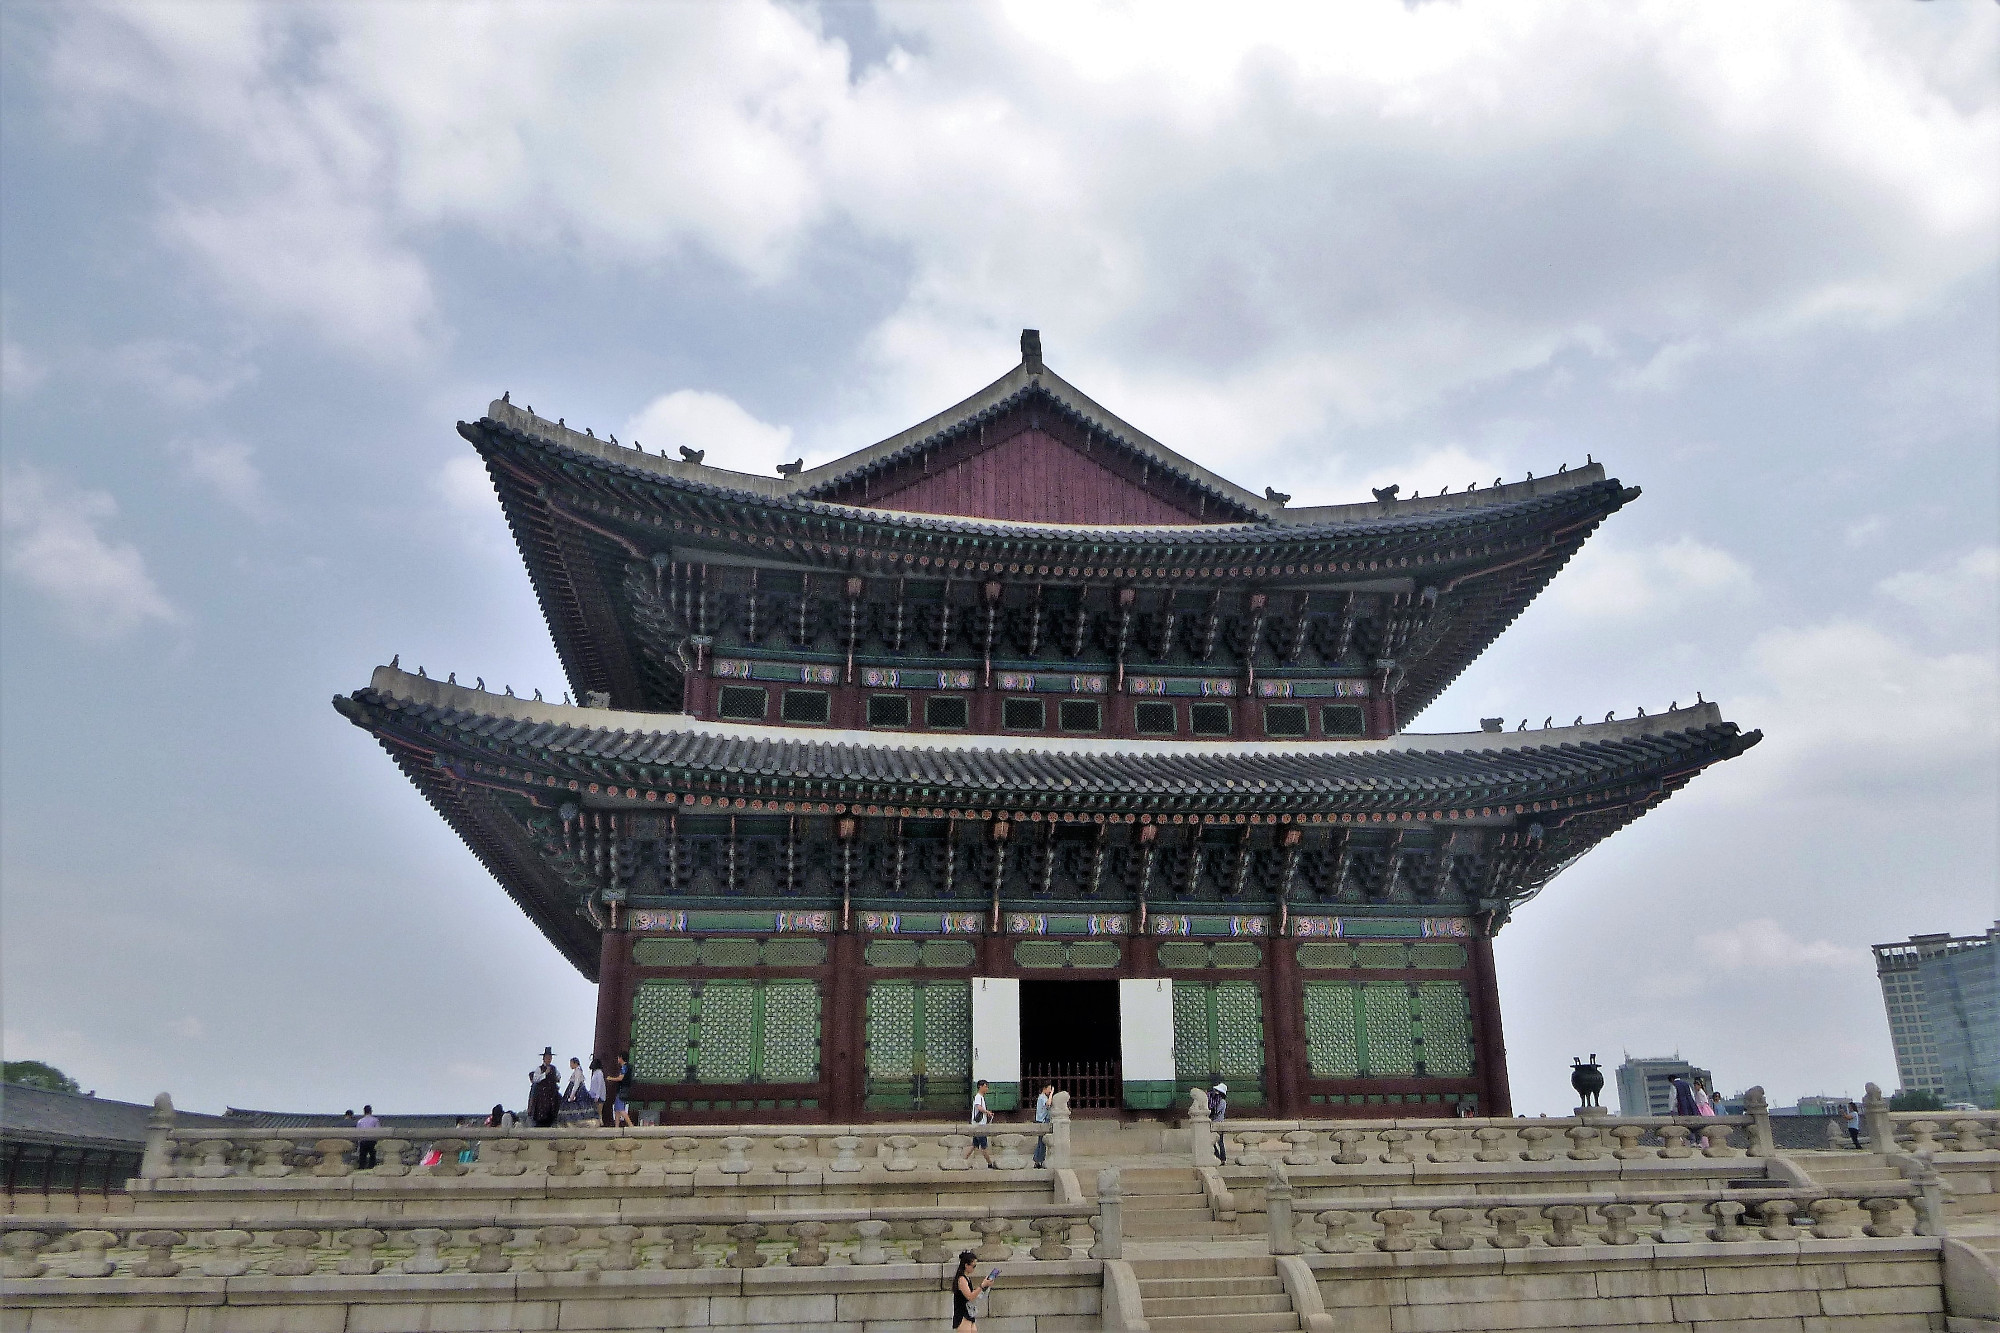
x: 1020, y: 747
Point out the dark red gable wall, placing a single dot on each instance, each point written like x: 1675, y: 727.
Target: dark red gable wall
x: 1032, y: 478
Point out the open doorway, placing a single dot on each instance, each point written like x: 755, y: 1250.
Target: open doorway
x: 1069, y: 1037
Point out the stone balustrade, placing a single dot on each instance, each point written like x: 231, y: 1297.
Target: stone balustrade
x: 790, y: 1154
x: 625, y: 1241
x: 1946, y: 1132
x: 1254, y: 1143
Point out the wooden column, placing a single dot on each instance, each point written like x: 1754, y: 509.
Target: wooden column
x: 614, y: 996
x: 1285, y: 1052
x: 1495, y: 1098
x: 844, y: 1019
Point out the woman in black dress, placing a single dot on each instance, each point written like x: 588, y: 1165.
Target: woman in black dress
x: 964, y: 1293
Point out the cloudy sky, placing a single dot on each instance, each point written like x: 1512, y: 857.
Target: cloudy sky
x: 255, y: 262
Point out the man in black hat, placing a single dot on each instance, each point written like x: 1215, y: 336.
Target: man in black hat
x: 545, y: 1091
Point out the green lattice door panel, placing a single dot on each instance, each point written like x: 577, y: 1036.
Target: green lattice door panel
x: 1219, y: 1037
x: 919, y: 1039
x: 726, y: 1031
x: 1387, y: 1029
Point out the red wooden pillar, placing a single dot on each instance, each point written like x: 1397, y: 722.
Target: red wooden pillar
x: 1285, y: 1052
x: 843, y: 1028
x: 1495, y: 1097
x: 614, y: 996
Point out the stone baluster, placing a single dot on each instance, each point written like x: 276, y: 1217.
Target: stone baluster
x: 1278, y: 1211
x: 1350, y: 1147
x: 792, y: 1160
x: 735, y: 1156
x: 1618, y: 1229
x: 1715, y: 1142
x: 931, y: 1246
x: 868, y: 1246
x: 565, y: 1150
x: 1929, y: 1201
x: 271, y: 1158
x: 1250, y: 1148
x: 1967, y: 1136
x: 91, y: 1257
x: 1835, y: 1140
x: 622, y: 1162
x: 1491, y: 1140
x: 1110, y: 1216
x: 295, y: 1258
x: 993, y: 1246
x: 1446, y: 1145
x: 844, y: 1158
x: 1507, y: 1221
x: 502, y: 1157
x: 1338, y: 1238
x: 333, y: 1155
x: 1777, y: 1216
x: 424, y: 1244
x: 1057, y: 1154
x: 683, y: 1155
x: 1534, y: 1143
x: 226, y: 1257
x: 1674, y: 1139
x: 360, y: 1260
x: 1395, y: 1224
x: 1628, y: 1136
x: 808, y: 1244
x: 21, y: 1253
x: 1726, y: 1212
x: 213, y: 1160
x: 1583, y: 1143
x: 1392, y: 1146
x: 1832, y: 1219
x: 899, y: 1153
x: 1054, y: 1232
x: 745, y: 1254
x: 621, y: 1248
x: 156, y: 1162
x: 681, y: 1240
x: 1923, y: 1137
x: 1201, y: 1131
x: 1875, y: 1117
x: 1563, y: 1220
x: 554, y: 1251
x: 1010, y: 1151
x: 1759, y: 1111
x: 954, y: 1158
x: 1882, y: 1218
x: 159, y: 1248
x: 1451, y: 1228
x: 492, y: 1257
x: 1302, y: 1149
x: 447, y: 1164
x: 1674, y: 1229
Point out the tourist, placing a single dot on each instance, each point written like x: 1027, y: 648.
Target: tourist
x: 1683, y: 1096
x: 614, y: 1090
x: 1703, y: 1103
x: 1218, y: 1107
x: 964, y: 1293
x: 544, y: 1091
x: 1045, y: 1106
x: 596, y: 1089
x: 981, y: 1118
x: 364, y: 1149
x: 1852, y: 1122
x: 621, y: 1111
x: 497, y: 1120
x: 576, y: 1092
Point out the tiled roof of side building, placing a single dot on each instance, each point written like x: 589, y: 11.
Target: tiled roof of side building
x: 39, y: 1116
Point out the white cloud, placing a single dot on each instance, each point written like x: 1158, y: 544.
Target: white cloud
x: 1763, y: 944
x: 1962, y: 593
x: 21, y: 371
x: 465, y: 488
x: 713, y: 422
x: 51, y: 541
x: 1608, y: 580
x: 170, y: 371
x: 188, y: 1028
x: 225, y: 467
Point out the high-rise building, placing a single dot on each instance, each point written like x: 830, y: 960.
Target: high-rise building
x: 1943, y: 996
x: 1646, y: 1087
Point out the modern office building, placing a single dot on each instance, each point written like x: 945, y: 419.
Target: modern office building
x: 1646, y: 1087
x: 1943, y: 996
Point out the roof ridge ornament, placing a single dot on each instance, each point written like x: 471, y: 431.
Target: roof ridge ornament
x: 1031, y: 351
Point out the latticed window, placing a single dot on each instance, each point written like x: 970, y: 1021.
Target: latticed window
x: 1285, y: 720
x: 1154, y: 719
x: 807, y: 706
x: 726, y: 1031
x: 1210, y: 719
x: 888, y: 710
x: 1219, y: 1037
x: 919, y: 1046
x: 742, y: 703
x: 1080, y: 715
x: 1342, y: 720
x: 1388, y: 1029
x: 947, y: 712
x: 1023, y: 714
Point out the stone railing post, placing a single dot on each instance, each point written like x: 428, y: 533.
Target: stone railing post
x: 92, y: 1259
x: 424, y: 1243
x: 23, y: 1251
x: 682, y: 1238
x: 159, y: 1248
x: 1451, y: 1228
x: 491, y: 1258
x: 1054, y: 1232
x: 1201, y: 1134
x: 868, y: 1246
x: 1563, y: 1219
x: 226, y: 1257
x: 1010, y: 1151
x: 1882, y: 1221
x: 745, y: 1255
x: 808, y: 1245
x: 360, y: 1260
x: 1875, y: 1117
x: 1110, y: 1216
x: 1057, y: 1152
x: 1278, y: 1211
x: 1618, y: 1229
x: 899, y: 1153
x: 931, y: 1246
x: 1395, y: 1224
x: 1337, y: 1240
x: 1507, y: 1233
x: 1761, y: 1142
x: 621, y: 1249
x: 1833, y: 1219
x: 993, y: 1244
x: 157, y: 1162
x: 296, y: 1246
x: 389, y: 1157
x: 790, y: 1161
x: 1674, y: 1229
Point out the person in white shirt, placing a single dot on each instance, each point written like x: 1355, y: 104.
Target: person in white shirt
x: 981, y: 1118
x: 1045, y: 1106
x: 364, y: 1149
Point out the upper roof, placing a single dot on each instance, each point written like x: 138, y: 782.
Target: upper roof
x: 37, y: 1115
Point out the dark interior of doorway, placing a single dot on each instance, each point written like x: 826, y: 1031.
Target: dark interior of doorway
x: 1069, y: 1037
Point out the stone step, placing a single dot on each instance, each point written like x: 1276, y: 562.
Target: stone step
x: 1234, y: 1265
x: 1181, y: 1288
x: 1224, y: 1323
x: 1175, y: 1307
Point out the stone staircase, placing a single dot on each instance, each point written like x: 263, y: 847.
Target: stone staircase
x: 1845, y: 1171
x: 1241, y: 1294
x: 1167, y: 1203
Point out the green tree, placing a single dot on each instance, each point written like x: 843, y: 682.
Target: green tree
x: 1905, y: 1100
x: 35, y: 1074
